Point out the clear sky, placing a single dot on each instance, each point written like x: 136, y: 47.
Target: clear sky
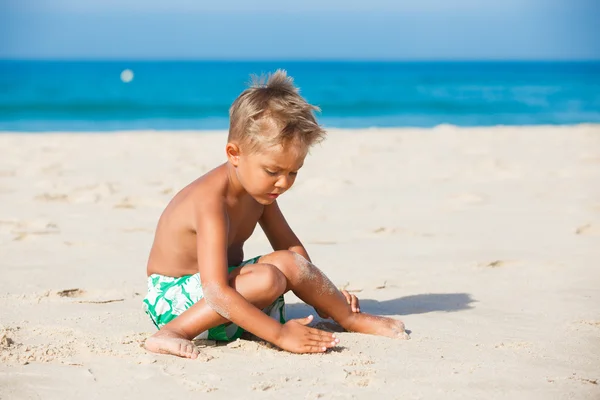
x: 306, y: 29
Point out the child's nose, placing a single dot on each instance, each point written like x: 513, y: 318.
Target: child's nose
x: 284, y: 182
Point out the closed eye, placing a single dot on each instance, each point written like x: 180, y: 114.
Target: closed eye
x: 271, y: 173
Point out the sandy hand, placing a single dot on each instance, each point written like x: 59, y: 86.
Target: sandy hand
x: 296, y: 337
x: 350, y: 298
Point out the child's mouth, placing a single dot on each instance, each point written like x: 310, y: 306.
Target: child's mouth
x: 273, y: 196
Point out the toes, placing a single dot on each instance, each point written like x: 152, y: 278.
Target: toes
x: 191, y: 351
x: 187, y: 350
x: 181, y: 349
x: 195, y: 353
x: 184, y: 349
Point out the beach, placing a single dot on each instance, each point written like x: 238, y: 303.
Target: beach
x: 484, y: 241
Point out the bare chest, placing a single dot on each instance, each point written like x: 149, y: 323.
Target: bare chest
x: 243, y: 219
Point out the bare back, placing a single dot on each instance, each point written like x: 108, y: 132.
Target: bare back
x: 174, y: 252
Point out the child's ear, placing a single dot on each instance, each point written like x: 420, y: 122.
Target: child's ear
x: 233, y: 153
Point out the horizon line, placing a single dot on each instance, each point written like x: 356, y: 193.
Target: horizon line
x: 307, y: 60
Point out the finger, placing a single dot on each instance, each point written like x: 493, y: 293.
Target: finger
x: 321, y: 344
x: 305, y: 320
x: 318, y: 332
x: 350, y: 300
x: 328, y: 341
x: 323, y: 338
x: 347, y: 296
x: 354, y: 304
x: 357, y: 304
x: 314, y: 349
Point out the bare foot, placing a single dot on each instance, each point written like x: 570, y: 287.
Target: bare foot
x: 169, y: 342
x: 375, y: 325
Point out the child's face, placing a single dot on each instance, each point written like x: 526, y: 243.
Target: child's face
x: 267, y: 173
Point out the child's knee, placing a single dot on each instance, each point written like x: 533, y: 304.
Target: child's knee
x: 295, y: 267
x: 272, y: 281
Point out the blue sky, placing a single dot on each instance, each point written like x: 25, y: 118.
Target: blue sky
x: 310, y: 29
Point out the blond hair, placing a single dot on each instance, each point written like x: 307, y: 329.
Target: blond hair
x: 275, y: 106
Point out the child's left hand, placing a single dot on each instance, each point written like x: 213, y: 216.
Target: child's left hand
x: 350, y: 298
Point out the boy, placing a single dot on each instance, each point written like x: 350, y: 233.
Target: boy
x: 198, y: 286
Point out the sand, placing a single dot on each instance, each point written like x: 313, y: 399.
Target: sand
x: 484, y: 241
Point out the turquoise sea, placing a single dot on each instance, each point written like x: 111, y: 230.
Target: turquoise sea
x: 91, y: 96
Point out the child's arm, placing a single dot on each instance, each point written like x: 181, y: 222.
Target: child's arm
x: 211, y: 238
x: 282, y: 237
x: 278, y: 231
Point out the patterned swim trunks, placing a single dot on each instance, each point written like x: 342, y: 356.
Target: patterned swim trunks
x: 169, y: 297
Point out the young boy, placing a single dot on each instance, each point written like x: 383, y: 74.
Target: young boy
x: 198, y: 286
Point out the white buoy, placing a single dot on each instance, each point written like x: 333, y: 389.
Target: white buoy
x: 127, y: 75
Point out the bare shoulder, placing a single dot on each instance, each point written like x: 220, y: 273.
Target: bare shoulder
x: 205, y: 194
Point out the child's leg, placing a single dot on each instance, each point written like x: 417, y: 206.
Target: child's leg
x: 314, y: 288
x: 260, y: 284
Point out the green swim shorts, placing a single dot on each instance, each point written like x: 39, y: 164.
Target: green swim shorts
x: 168, y: 297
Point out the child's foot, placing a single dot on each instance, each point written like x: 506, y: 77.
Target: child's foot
x: 169, y: 342
x: 375, y: 325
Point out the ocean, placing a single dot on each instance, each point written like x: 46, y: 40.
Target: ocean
x: 40, y: 96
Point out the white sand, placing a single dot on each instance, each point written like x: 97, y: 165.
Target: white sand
x: 486, y: 242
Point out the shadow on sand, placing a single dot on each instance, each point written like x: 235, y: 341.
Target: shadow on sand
x: 417, y: 304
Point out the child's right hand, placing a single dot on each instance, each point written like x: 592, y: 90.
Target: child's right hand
x: 296, y: 337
